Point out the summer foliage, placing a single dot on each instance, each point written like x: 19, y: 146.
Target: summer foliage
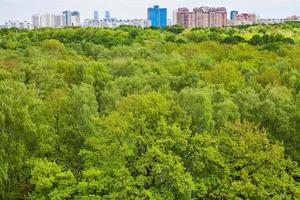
x: 132, y: 113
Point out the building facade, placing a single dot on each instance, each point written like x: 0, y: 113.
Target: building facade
x: 48, y: 20
x: 75, y: 18
x: 17, y: 24
x: 107, y: 14
x: 114, y: 23
x: 292, y: 18
x: 233, y: 15
x: 269, y: 21
x: 72, y: 18
x: 174, y: 17
x: 158, y: 16
x: 202, y: 17
x: 67, y: 15
x: 96, y: 15
x: 36, y: 21
x: 59, y: 21
x: 182, y: 16
x: 245, y: 19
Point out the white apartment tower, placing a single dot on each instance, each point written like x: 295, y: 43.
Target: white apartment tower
x: 48, y: 20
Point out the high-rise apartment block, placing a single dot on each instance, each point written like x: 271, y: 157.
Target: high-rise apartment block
x: 174, y: 17
x: 59, y: 21
x: 48, y: 20
x: 107, y: 14
x: 233, y: 15
x: 182, y: 17
x: 75, y: 18
x: 158, y: 16
x: 202, y: 17
x: 96, y: 15
x: 72, y: 18
x: 245, y: 19
x: 36, y: 21
x: 67, y: 15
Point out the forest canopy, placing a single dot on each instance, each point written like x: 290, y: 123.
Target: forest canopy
x: 131, y: 113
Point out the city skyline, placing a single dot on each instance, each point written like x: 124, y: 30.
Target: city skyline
x: 131, y: 9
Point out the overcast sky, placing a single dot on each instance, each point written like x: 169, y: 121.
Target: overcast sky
x: 128, y: 9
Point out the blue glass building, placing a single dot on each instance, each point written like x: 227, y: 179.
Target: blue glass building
x: 157, y: 16
x: 233, y: 15
x: 76, y: 13
x: 67, y: 15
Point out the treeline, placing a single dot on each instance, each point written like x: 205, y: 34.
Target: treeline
x: 133, y: 113
x: 125, y: 35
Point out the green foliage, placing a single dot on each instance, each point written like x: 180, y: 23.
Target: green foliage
x: 177, y: 29
x: 235, y: 39
x: 53, y: 45
x: 50, y: 182
x: 225, y: 74
x: 131, y: 113
x: 241, y: 163
x: 198, y: 104
x: 266, y: 39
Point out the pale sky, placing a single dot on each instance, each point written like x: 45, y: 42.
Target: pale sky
x: 129, y: 9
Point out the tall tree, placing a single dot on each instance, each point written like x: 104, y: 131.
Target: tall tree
x: 146, y: 136
x: 240, y: 162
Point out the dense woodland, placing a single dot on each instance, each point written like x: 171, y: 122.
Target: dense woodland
x: 131, y: 113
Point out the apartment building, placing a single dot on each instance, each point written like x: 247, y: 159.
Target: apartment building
x: 202, y: 17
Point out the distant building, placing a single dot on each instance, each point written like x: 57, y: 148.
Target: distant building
x: 143, y: 23
x: 245, y: 19
x: 174, y: 17
x: 157, y: 16
x: 72, y: 18
x: 59, y: 21
x: 48, y: 20
x: 233, y: 15
x: 67, y: 15
x: 269, y: 21
x: 91, y: 23
x: 202, y: 17
x: 96, y: 15
x: 75, y: 19
x: 182, y: 18
x: 114, y: 23
x: 36, y: 21
x: 17, y: 24
x: 107, y: 14
x: 292, y: 18
x: 237, y: 19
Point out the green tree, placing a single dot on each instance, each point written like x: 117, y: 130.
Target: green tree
x: 241, y: 163
x: 177, y: 29
x: 51, y: 182
x: 147, y: 135
x: 71, y: 117
x: 20, y: 134
x: 198, y: 104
